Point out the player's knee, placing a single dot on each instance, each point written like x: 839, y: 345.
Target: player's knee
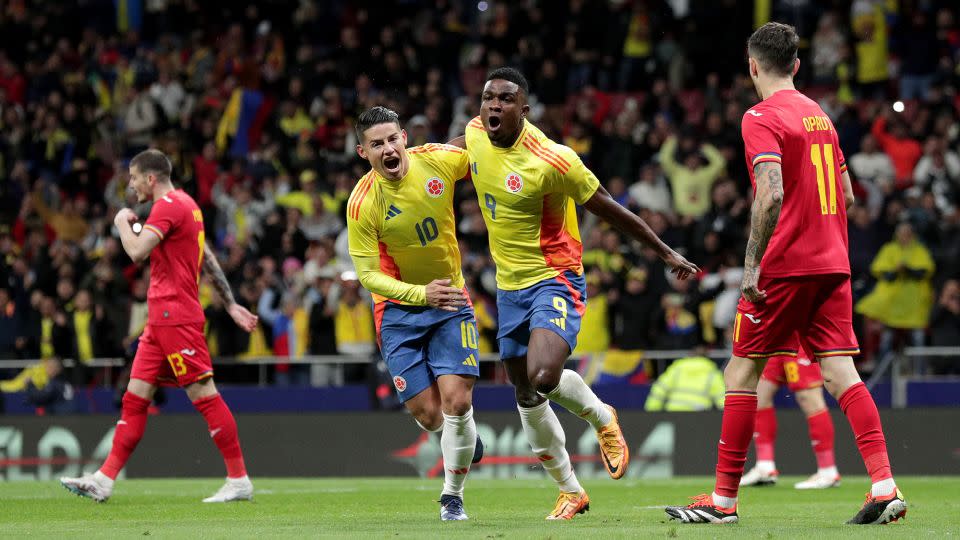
x: 457, y: 405
x: 740, y: 376
x: 528, y: 397
x: 429, y: 420
x: 810, y: 401
x: 545, y: 380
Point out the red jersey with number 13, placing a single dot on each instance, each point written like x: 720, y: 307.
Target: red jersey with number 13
x: 811, y: 235
x: 174, y: 294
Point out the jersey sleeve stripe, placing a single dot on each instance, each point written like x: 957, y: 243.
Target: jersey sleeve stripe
x: 843, y: 167
x: 767, y: 156
x: 837, y: 352
x: 539, y: 153
x: 361, y: 192
x: 433, y: 147
x: 771, y: 354
x: 353, y: 196
x: 549, y: 152
x: 154, y: 230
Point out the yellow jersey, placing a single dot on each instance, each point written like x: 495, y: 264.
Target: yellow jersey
x: 409, y: 223
x: 528, y: 195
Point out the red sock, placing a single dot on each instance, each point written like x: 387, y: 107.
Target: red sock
x: 223, y: 430
x: 820, y: 426
x: 133, y: 420
x: 765, y: 433
x: 861, y: 411
x: 739, y: 416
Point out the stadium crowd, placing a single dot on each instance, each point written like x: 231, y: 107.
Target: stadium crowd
x: 254, y: 103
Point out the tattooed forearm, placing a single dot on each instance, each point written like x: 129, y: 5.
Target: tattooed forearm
x: 220, y: 283
x: 764, y: 213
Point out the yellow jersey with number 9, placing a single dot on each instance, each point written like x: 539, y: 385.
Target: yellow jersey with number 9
x: 528, y: 195
x: 409, y: 223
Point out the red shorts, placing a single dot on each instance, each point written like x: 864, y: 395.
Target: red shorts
x: 797, y: 373
x: 172, y: 355
x: 818, y: 309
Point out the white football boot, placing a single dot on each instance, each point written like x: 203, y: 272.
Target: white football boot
x: 96, y: 486
x: 235, y: 489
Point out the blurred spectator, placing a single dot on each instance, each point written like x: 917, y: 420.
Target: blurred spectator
x: 594, y: 334
x: 289, y: 327
x: 903, y: 296
x: 826, y: 47
x: 903, y: 150
x: 868, y: 19
x: 690, y: 384
x: 650, y: 191
x: 633, y: 312
x: 938, y: 173
x: 945, y: 327
x: 919, y: 52
x: 51, y: 394
x: 353, y: 320
x: 9, y: 325
x: 873, y: 171
x: 691, y: 180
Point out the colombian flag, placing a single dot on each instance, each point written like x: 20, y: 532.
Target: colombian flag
x: 613, y: 366
x: 243, y: 120
x: 129, y: 14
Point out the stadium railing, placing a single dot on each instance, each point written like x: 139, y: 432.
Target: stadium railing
x: 899, y: 367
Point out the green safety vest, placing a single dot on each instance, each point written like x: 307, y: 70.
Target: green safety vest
x: 689, y: 384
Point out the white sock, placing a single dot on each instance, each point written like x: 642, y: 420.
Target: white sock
x: 106, y: 481
x: 458, y: 441
x: 830, y: 472
x: 438, y: 430
x: 883, y: 487
x: 574, y: 395
x: 724, y: 502
x: 548, y: 443
x: 766, y: 466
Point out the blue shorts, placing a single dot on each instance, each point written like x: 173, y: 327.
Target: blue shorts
x: 420, y: 343
x: 556, y: 304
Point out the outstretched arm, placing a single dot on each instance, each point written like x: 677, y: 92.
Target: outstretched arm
x: 239, y: 314
x: 763, y: 220
x: 603, y: 205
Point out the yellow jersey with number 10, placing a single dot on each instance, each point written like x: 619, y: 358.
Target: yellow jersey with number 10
x: 528, y: 195
x: 409, y: 223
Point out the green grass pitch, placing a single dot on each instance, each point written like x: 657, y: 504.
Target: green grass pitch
x: 405, y: 508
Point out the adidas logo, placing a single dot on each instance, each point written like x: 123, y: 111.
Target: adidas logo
x: 471, y: 360
x: 393, y: 211
x: 561, y: 322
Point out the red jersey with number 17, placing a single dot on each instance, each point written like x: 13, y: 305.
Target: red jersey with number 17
x: 811, y: 235
x: 174, y: 294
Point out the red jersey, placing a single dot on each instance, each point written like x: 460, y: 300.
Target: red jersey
x: 174, y: 294
x: 811, y: 234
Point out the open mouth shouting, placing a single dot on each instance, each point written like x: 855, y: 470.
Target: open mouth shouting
x: 493, y: 123
x: 391, y: 165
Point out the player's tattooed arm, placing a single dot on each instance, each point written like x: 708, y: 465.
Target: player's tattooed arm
x: 763, y: 220
x: 217, y: 277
